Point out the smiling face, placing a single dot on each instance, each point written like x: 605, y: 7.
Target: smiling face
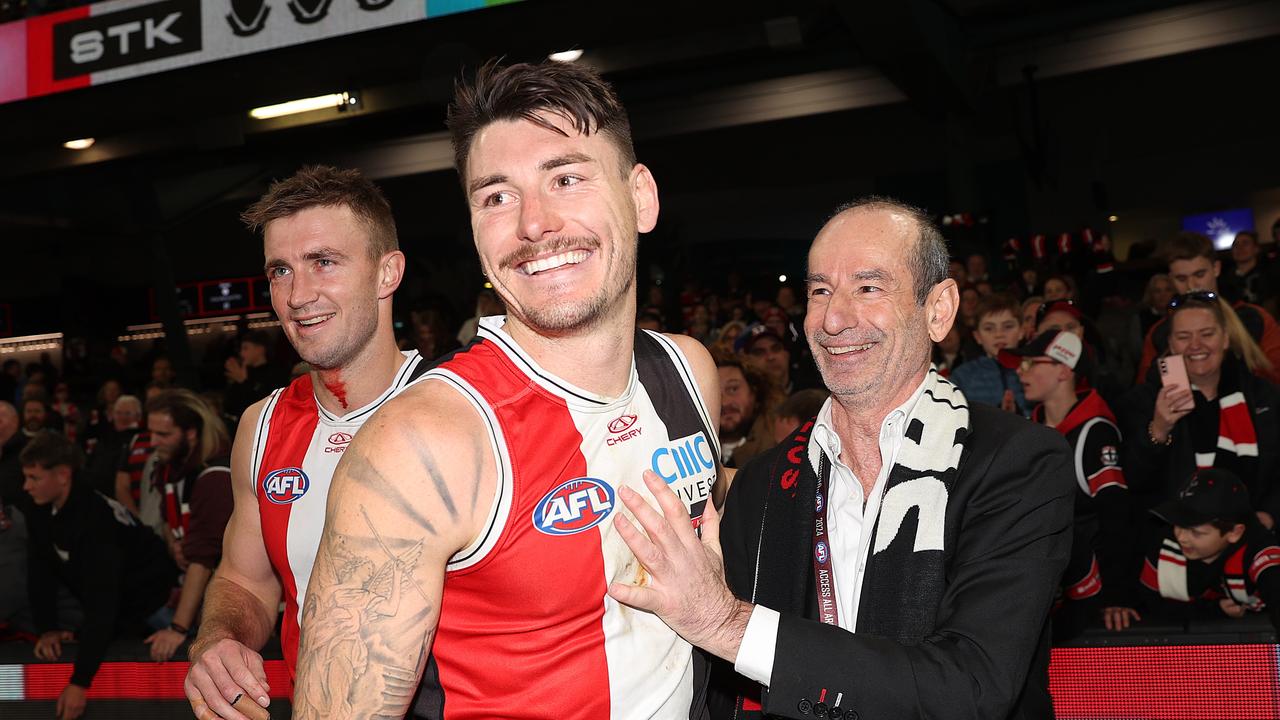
x: 868, y: 334
x: 1206, y: 542
x: 555, y: 219
x: 1196, y: 335
x: 325, y: 288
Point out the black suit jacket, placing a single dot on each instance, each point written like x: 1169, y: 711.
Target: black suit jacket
x: 1007, y: 539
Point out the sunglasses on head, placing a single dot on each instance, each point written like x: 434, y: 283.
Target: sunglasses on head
x: 1195, y: 295
x: 1044, y: 308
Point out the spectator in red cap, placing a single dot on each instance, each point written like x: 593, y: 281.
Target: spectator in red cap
x: 1095, y: 576
x: 1210, y: 558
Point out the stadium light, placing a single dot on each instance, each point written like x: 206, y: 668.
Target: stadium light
x: 81, y: 144
x: 293, y: 107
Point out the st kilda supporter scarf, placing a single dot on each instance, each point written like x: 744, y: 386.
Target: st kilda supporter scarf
x: 1226, y: 440
x: 904, y: 579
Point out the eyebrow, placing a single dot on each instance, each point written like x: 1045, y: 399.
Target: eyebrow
x: 545, y: 165
x: 319, y: 253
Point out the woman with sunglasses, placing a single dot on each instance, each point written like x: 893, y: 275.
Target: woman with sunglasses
x: 1227, y: 419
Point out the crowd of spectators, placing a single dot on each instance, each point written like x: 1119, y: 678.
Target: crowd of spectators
x: 1178, y: 487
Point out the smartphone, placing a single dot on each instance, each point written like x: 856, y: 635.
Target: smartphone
x: 1173, y: 373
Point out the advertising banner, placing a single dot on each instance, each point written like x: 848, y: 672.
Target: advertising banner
x: 120, y: 39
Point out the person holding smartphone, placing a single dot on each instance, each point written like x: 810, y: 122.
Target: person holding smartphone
x: 1209, y: 409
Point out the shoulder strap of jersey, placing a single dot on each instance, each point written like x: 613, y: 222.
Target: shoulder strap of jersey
x: 668, y: 379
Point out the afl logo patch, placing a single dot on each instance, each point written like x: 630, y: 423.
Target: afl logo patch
x: 622, y: 423
x: 819, y: 503
x: 285, y: 485
x: 577, y: 505
x: 820, y: 551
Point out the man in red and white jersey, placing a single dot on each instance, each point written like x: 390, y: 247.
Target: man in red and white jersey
x: 333, y: 262
x: 470, y: 538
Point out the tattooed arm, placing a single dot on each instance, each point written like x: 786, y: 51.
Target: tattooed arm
x: 412, y: 489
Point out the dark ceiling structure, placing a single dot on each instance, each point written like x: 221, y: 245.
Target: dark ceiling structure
x: 756, y: 116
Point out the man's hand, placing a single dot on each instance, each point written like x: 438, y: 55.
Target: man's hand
x: 236, y: 372
x: 687, y: 587
x: 219, y: 673
x: 1118, y: 618
x: 164, y: 642
x: 70, y: 703
x: 49, y: 646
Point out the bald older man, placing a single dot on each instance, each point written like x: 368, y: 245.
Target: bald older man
x: 897, y: 556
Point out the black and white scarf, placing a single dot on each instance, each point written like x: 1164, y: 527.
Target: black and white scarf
x: 905, y: 578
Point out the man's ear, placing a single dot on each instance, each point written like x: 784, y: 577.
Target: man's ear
x: 940, y: 309
x: 644, y: 193
x: 390, y: 273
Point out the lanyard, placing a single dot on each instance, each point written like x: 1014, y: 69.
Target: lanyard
x: 823, y: 575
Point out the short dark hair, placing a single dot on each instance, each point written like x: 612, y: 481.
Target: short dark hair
x: 49, y: 449
x: 996, y: 303
x: 325, y: 186
x: 928, y: 257
x: 1187, y: 245
x: 521, y: 91
x: 1225, y: 525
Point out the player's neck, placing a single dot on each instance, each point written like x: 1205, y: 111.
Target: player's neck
x: 358, y: 383
x: 597, y: 359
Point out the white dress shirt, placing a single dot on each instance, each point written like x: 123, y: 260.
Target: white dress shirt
x: 850, y: 518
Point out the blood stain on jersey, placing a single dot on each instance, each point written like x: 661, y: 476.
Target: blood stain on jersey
x: 285, y: 485
x: 573, y: 507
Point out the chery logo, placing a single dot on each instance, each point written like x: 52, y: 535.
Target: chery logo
x: 338, y: 442
x: 622, y: 423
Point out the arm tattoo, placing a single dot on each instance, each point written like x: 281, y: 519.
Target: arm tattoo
x: 429, y: 464
x: 358, y: 467
x: 362, y: 609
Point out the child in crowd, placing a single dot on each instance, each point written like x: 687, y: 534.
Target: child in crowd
x: 1048, y: 367
x: 983, y: 379
x: 1212, y: 558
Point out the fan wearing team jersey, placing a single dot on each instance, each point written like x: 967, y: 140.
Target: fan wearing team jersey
x: 1209, y: 557
x: 1047, y: 367
x: 470, y: 539
x: 333, y: 263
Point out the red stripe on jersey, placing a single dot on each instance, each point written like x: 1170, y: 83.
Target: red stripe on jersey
x: 1089, y: 585
x: 1267, y: 557
x: 1106, y: 478
x: 1150, y: 578
x: 1167, y: 556
x: 293, y: 423
x: 497, y: 644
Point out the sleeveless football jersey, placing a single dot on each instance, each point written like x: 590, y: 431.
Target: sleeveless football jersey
x: 296, y: 447
x: 526, y: 628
